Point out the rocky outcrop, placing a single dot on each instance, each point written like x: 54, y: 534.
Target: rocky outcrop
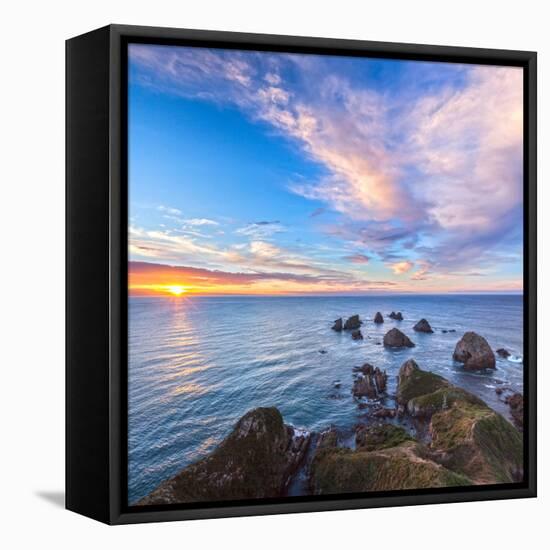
x: 337, y: 326
x: 384, y: 412
x: 366, y: 368
x: 467, y: 436
x: 423, y: 326
x: 255, y: 460
x: 515, y: 402
x: 504, y: 353
x: 364, y: 386
x: 378, y: 319
x: 328, y: 439
x: 370, y: 382
x: 474, y: 351
x: 396, y: 316
x: 421, y: 393
x: 396, y: 339
x: 386, y: 458
x: 356, y: 335
x: 352, y: 323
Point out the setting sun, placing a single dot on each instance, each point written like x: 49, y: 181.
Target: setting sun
x: 176, y: 290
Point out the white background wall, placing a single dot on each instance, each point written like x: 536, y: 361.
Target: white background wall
x: 32, y: 271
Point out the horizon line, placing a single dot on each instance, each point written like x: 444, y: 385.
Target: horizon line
x: 331, y: 295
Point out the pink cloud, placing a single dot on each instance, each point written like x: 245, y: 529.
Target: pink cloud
x: 401, y: 267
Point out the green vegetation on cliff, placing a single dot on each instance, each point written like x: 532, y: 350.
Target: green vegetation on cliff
x: 399, y: 467
x: 467, y: 436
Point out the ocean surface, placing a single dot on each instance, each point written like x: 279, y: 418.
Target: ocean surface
x: 197, y: 364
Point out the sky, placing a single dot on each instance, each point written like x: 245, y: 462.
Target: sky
x: 277, y: 173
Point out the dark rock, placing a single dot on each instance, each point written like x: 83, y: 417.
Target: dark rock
x: 255, y: 460
x: 337, y: 326
x: 378, y: 318
x: 474, y: 351
x: 396, y: 316
x: 381, y: 379
x: 337, y: 384
x: 499, y: 391
x: 396, y: 339
x: 515, y: 402
x: 366, y: 369
x: 352, y: 323
x: 370, y: 382
x: 504, y: 353
x: 322, y: 351
x: 423, y: 326
x: 444, y: 331
x: 452, y: 330
x: 364, y: 386
x: 356, y: 335
x: 384, y: 413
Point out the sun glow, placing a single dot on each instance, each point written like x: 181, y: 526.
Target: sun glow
x: 176, y: 290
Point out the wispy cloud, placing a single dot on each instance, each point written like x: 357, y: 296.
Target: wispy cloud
x: 200, y: 222
x: 261, y: 229
x: 357, y: 258
x: 169, y: 210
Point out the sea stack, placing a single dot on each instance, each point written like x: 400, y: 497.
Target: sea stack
x: 474, y: 351
x: 352, y: 323
x: 370, y: 382
x: 396, y: 316
x: 378, y: 318
x: 356, y: 335
x: 396, y: 339
x: 337, y: 326
x: 423, y: 326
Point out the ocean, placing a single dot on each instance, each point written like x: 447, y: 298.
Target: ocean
x: 197, y: 364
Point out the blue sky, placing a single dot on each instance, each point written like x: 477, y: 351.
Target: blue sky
x: 276, y: 173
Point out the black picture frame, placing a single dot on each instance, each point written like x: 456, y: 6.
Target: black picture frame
x: 96, y: 272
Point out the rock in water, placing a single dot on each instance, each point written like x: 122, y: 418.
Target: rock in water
x: 504, y: 353
x: 515, y: 403
x: 337, y: 326
x: 423, y: 326
x: 474, y: 351
x: 366, y: 368
x: 467, y: 436
x: 396, y: 316
x: 378, y: 318
x: 370, y: 383
x: 255, y: 460
x: 356, y: 335
x: 352, y: 323
x: 381, y: 379
x: 394, y: 338
x: 364, y: 387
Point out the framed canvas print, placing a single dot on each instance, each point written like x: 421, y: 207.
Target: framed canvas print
x: 301, y: 274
